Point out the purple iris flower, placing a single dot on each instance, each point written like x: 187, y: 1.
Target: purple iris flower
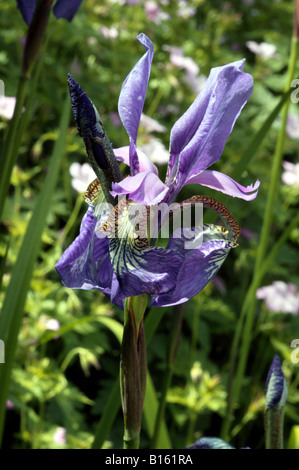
x: 125, y: 266
x: 62, y: 9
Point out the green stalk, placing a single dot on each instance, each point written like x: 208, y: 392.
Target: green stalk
x: 152, y: 321
x: 249, y: 305
x: 175, y: 331
x: 133, y: 369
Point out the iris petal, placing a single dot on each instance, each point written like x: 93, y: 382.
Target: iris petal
x: 198, y: 137
x: 27, y: 8
x: 132, y: 96
x: 199, y: 265
x: 145, y: 187
x: 145, y: 164
x: 225, y: 184
x: 138, y: 267
x: 66, y: 9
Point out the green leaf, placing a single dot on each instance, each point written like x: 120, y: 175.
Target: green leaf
x: 13, y: 306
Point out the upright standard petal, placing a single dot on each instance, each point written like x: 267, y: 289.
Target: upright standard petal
x: 27, y: 8
x: 132, y: 96
x: 198, y: 137
x: 66, y: 9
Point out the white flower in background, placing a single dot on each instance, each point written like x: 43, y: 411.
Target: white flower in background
x: 291, y: 174
x: 151, y: 125
x: 196, y: 84
x: 280, y: 297
x: 184, y: 10
x: 155, y: 150
x: 108, y: 33
x: 52, y: 324
x: 82, y: 176
x: 263, y: 50
x: 292, y: 127
x: 192, y: 77
x: 7, y: 106
x: 59, y: 436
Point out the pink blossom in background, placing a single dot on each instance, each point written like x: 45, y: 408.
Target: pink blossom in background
x: 292, y: 127
x: 9, y: 405
x: 59, y: 436
x: 192, y: 77
x: 219, y: 284
x: 280, y: 297
x: 115, y: 119
x: 291, y: 174
x: 248, y: 234
x: 154, y: 12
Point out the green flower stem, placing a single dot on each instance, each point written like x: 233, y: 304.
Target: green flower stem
x: 175, y: 331
x: 153, y: 318
x: 8, y: 158
x: 133, y: 369
x: 249, y: 305
x: 274, y: 419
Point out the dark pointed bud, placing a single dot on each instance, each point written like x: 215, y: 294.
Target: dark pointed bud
x: 276, y: 396
x: 35, y: 35
x: 98, y: 147
x: 210, y: 443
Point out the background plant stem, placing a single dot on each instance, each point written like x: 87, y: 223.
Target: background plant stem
x: 249, y: 306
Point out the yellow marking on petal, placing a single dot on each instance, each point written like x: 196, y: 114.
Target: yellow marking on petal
x: 221, y: 210
x: 94, y: 193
